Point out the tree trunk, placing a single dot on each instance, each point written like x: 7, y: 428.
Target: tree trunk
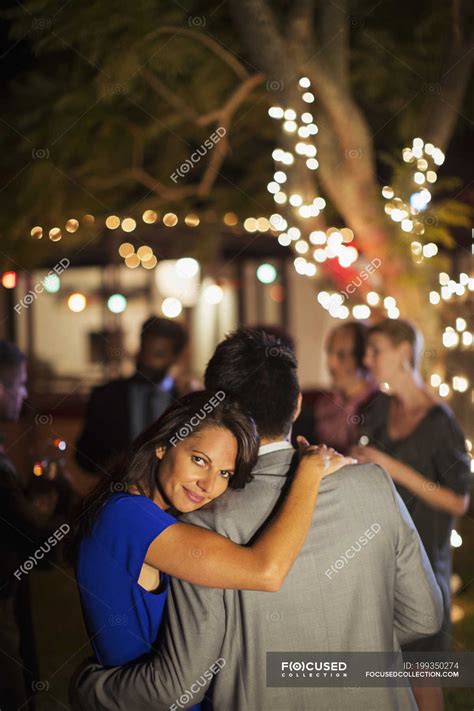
x: 347, y: 171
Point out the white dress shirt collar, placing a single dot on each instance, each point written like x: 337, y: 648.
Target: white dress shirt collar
x: 274, y: 447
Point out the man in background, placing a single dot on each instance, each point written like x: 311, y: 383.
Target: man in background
x: 119, y: 411
x: 22, y: 529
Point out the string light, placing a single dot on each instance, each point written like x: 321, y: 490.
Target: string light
x: 373, y: 299
x: 250, y: 224
x: 149, y: 217
x: 150, y: 263
x: 9, y: 280
x: 126, y: 249
x: 144, y: 253
x: 266, y: 273
x: 170, y: 219
x: 77, y: 302
x: 424, y: 158
x: 55, y: 234
x: 117, y: 303
x: 187, y: 267
x: 361, y: 311
x: 72, y: 225
x: 171, y: 307
x: 52, y: 283
x: 112, y: 222
x: 132, y: 261
x: 213, y: 294
x: 230, y: 219
x: 191, y: 220
x: 128, y: 224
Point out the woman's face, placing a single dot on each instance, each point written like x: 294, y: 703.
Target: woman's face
x: 340, y: 358
x: 197, y: 470
x: 383, y: 358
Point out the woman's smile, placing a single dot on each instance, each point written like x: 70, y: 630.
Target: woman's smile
x: 195, y: 498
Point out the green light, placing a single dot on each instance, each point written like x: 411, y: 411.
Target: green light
x: 52, y: 283
x: 266, y: 273
x: 117, y: 303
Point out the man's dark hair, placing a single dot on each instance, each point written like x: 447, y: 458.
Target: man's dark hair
x: 280, y: 334
x: 11, y: 359
x: 156, y: 327
x: 260, y: 372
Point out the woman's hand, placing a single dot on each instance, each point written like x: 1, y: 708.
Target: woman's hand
x: 322, y: 459
x: 369, y: 455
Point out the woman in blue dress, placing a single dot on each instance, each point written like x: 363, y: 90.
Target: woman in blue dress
x: 128, y: 540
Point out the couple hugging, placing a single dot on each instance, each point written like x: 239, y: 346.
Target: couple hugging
x: 176, y: 554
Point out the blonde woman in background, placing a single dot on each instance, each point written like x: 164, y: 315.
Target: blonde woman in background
x: 418, y: 441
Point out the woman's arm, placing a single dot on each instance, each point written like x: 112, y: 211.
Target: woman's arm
x: 204, y: 557
x: 432, y: 493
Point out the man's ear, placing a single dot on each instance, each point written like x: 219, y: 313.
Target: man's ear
x: 160, y: 452
x: 298, y: 406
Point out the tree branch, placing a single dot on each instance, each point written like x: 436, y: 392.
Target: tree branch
x: 168, y: 95
x: 207, y: 41
x: 264, y: 43
x: 224, y: 118
x: 443, y: 108
x: 232, y: 103
x: 300, y: 21
x: 334, y: 31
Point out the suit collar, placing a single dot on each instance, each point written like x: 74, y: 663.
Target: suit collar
x: 276, y: 463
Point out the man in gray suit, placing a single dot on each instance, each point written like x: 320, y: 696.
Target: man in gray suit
x: 361, y: 583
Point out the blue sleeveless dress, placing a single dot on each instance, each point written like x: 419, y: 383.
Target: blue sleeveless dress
x: 121, y: 617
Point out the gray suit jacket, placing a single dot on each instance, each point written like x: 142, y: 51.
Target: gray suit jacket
x: 361, y: 583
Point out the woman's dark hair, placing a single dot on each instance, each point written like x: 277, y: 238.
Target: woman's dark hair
x: 140, y: 466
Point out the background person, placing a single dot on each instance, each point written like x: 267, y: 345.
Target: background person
x: 418, y: 441
x: 119, y: 411
x: 333, y: 416
x: 23, y: 527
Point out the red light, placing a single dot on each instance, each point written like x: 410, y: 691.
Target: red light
x: 9, y: 280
